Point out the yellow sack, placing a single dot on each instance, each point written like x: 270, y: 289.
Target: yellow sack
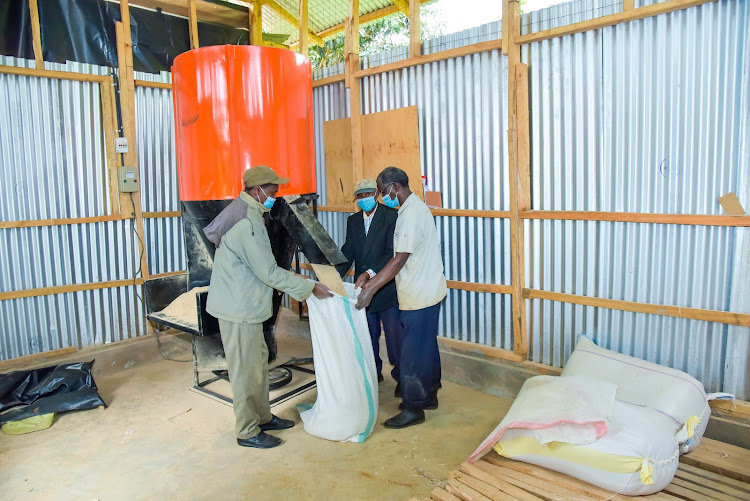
x: 33, y: 423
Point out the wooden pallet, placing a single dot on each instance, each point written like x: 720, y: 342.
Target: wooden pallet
x: 714, y: 471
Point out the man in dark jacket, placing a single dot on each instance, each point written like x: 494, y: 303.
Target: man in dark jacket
x: 369, y: 245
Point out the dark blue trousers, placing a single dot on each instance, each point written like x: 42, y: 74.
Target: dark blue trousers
x: 420, y: 357
x: 391, y: 320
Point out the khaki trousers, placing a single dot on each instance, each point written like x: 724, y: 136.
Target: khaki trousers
x: 247, y: 358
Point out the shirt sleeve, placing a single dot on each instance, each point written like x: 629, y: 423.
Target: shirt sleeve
x: 255, y: 252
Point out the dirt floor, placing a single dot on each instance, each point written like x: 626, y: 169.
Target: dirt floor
x: 160, y: 440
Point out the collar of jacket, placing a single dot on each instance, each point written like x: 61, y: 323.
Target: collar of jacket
x: 253, y: 203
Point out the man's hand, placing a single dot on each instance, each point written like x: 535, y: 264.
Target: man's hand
x: 365, y: 296
x: 320, y: 291
x: 362, y: 280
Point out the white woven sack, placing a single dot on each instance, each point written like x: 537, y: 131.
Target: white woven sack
x: 347, y: 403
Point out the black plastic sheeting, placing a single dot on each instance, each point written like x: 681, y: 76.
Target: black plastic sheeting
x: 66, y: 387
x: 84, y: 31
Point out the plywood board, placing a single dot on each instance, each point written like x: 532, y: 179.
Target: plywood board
x: 328, y: 276
x: 389, y: 138
x: 731, y: 205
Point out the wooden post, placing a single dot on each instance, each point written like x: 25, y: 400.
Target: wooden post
x: 415, y: 37
x: 193, y: 24
x: 504, y: 25
x: 127, y: 110
x: 256, y: 23
x: 36, y: 34
x: 628, y: 5
x: 303, y: 29
x: 518, y: 197
x: 351, y: 43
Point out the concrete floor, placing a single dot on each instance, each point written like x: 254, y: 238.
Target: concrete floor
x: 159, y: 440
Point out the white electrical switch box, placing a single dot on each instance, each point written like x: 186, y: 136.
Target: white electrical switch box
x: 127, y: 179
x: 121, y: 145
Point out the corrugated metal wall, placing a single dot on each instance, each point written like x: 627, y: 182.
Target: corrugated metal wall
x: 158, y: 168
x: 640, y: 117
x: 54, y: 166
x: 643, y: 117
x: 462, y: 124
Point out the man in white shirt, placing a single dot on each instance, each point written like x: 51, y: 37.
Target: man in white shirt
x: 421, y: 286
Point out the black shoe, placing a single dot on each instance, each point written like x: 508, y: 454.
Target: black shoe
x: 406, y: 418
x: 260, y: 441
x: 276, y: 423
x: 397, y: 391
x: 431, y: 405
x: 380, y: 378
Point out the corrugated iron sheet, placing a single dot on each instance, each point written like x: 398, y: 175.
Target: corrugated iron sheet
x: 158, y: 171
x: 54, y: 166
x: 640, y: 117
x: 462, y: 123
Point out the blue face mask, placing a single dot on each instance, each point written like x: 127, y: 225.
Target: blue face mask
x: 366, y: 204
x: 390, y: 202
x: 269, y: 200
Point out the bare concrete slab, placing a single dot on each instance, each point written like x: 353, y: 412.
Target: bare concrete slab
x: 159, y: 440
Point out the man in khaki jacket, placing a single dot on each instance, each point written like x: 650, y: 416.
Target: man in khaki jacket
x: 242, y: 282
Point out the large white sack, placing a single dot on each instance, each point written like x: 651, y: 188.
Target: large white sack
x: 669, y: 391
x: 347, y: 382
x: 638, y: 454
x: 553, y: 409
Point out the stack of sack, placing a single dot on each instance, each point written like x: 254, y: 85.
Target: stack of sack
x: 611, y: 420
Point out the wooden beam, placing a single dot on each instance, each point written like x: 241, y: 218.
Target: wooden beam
x: 432, y: 58
x: 212, y: 12
x: 403, y: 6
x: 351, y: 43
x: 612, y: 19
x: 127, y: 111
x: 364, y: 18
x: 504, y: 35
x: 293, y: 20
x: 303, y: 28
x: 162, y: 214
x: 255, y: 16
x: 523, y: 185
x: 58, y: 222
x: 62, y: 289
x: 724, y: 317
x: 59, y: 75
x: 415, y: 27
x: 36, y: 34
x: 168, y: 274
x: 477, y: 287
x: 329, y: 80
x: 408, y: 63
x: 193, y: 25
x: 12, y: 363
x: 153, y: 85
x: 487, y: 351
x: 109, y: 123
x: 497, y: 214
x: 638, y: 217
x: 515, y: 183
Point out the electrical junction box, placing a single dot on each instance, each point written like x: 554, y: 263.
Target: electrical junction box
x: 121, y: 145
x: 127, y: 179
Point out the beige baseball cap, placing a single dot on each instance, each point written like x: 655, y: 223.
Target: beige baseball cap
x: 364, y: 186
x: 260, y: 175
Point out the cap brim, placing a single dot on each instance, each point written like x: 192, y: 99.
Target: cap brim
x: 280, y: 180
x: 364, y: 190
